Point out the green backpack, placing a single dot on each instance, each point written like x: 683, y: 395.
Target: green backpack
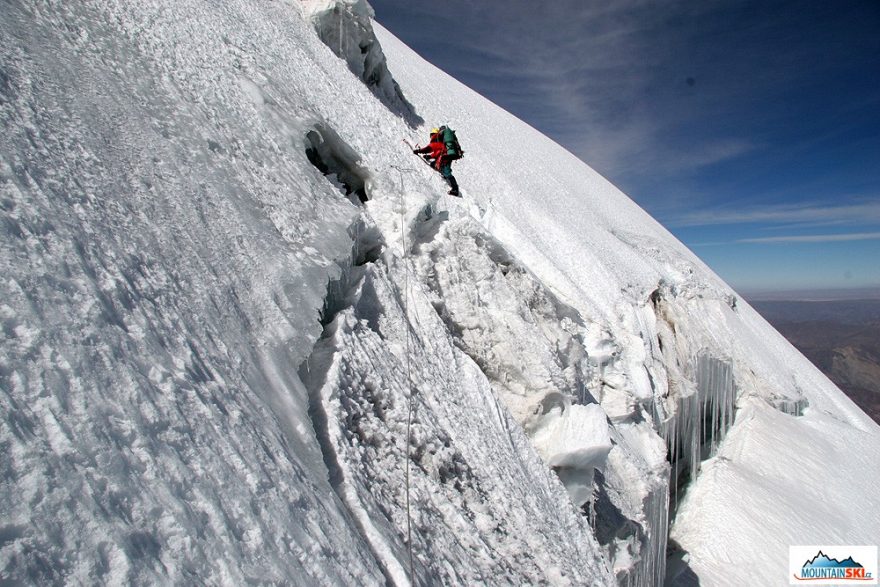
x: 453, y: 148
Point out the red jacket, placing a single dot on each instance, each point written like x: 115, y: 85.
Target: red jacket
x: 436, y: 149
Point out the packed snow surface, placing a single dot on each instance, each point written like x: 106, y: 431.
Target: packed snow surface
x: 247, y: 338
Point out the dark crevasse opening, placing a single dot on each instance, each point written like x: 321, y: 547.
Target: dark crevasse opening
x: 702, y: 418
x: 338, y: 162
x: 367, y: 247
x: 678, y: 571
x: 700, y: 422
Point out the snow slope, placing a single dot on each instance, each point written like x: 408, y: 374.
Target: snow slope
x: 775, y: 471
x: 248, y: 339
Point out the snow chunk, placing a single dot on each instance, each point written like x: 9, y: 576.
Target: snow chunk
x: 575, y: 441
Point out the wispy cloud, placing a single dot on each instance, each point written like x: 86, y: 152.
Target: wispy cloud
x: 655, y: 94
x: 856, y: 213
x: 602, y: 78
x: 814, y: 238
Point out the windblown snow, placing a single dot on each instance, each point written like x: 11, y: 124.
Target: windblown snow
x: 248, y: 338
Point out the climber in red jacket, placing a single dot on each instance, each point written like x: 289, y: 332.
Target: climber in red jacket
x: 441, y: 152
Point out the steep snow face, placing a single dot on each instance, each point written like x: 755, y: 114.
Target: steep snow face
x: 188, y: 194
x: 165, y: 249
x: 247, y: 338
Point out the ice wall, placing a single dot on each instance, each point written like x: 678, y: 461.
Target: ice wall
x: 345, y: 26
x: 701, y: 417
x: 421, y: 452
x: 560, y: 375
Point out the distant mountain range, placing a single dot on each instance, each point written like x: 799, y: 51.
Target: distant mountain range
x: 841, y: 337
x: 869, y: 294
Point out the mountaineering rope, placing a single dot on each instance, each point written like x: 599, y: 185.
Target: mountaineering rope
x: 409, y: 410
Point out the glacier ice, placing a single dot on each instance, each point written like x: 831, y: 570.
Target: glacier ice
x: 702, y: 416
x: 207, y: 329
x: 345, y: 26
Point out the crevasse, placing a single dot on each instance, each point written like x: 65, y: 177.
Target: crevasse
x: 702, y: 416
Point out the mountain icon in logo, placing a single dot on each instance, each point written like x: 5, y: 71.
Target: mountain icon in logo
x: 822, y: 560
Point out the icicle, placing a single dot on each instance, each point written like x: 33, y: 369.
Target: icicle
x: 792, y: 407
x: 341, y: 35
x: 699, y: 422
x: 717, y: 389
x: 658, y: 516
x: 703, y: 412
x: 650, y: 568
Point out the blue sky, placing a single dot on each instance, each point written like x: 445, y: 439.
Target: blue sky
x: 751, y: 129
